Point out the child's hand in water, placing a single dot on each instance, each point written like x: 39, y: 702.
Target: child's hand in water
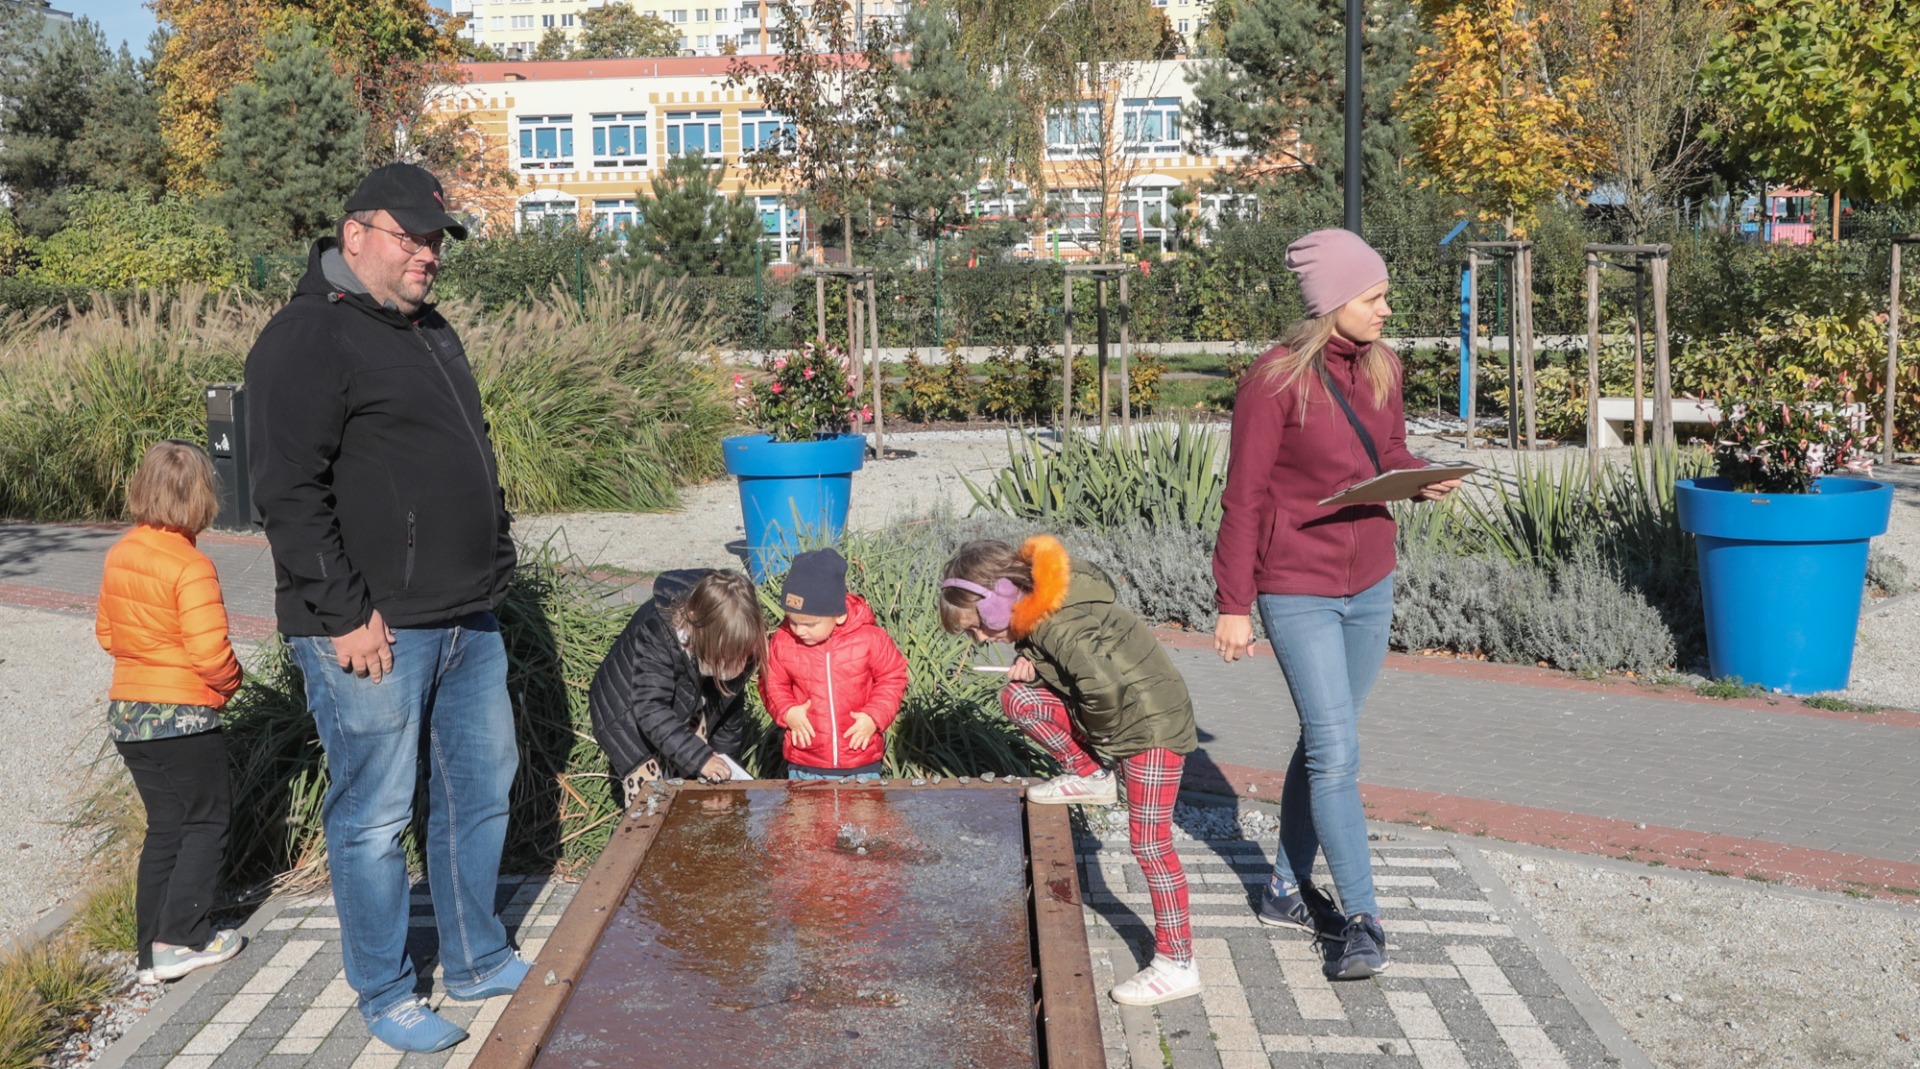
x: 862, y: 731
x: 797, y: 722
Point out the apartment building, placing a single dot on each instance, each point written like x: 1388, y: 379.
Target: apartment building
x: 584, y: 137
x: 515, y: 27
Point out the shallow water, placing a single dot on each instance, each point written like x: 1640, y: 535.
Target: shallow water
x: 822, y: 926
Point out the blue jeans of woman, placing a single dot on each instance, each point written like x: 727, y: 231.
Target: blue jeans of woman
x: 444, y: 705
x: 1331, y: 650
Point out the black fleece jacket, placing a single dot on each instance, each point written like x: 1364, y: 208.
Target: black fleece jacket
x: 648, y: 697
x: 371, y: 463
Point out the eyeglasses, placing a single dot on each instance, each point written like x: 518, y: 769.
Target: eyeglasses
x: 408, y: 243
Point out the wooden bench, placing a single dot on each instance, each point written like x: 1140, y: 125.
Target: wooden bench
x: 1616, y: 417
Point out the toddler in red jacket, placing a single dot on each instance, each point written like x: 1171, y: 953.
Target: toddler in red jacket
x: 833, y: 678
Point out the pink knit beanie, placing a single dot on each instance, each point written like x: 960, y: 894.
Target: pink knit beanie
x: 1334, y: 266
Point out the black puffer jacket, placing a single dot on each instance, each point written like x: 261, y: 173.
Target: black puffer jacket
x: 649, y: 697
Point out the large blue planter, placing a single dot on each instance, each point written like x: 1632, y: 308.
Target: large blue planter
x: 1781, y: 577
x: 790, y: 491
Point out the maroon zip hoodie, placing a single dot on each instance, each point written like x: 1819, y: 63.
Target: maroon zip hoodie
x: 1286, y: 454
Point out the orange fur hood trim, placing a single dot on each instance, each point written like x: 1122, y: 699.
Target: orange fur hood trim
x: 1052, y: 572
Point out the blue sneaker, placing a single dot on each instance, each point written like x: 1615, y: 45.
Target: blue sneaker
x: 504, y: 982
x: 1308, y: 909
x: 413, y: 1026
x: 1365, y: 952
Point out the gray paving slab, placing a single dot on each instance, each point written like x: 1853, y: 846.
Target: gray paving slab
x: 1780, y: 777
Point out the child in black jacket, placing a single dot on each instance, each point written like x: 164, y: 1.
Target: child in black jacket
x: 670, y: 697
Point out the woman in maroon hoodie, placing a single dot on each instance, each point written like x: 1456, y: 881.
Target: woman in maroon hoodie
x: 1314, y: 415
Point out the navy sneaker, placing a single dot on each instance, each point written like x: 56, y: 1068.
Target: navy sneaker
x: 1307, y: 908
x: 1365, y: 952
x: 412, y: 1025
x: 503, y: 982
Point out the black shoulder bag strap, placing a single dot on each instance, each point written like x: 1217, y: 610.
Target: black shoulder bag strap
x: 1365, y: 438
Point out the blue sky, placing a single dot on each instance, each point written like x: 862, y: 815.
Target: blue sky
x: 128, y: 20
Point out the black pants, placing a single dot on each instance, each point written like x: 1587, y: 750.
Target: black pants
x: 183, y: 782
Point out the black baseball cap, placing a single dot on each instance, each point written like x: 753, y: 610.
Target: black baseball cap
x: 411, y: 195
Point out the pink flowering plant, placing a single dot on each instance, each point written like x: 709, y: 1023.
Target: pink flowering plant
x: 1762, y: 444
x: 803, y: 395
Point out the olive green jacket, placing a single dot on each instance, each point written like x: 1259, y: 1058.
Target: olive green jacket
x: 1118, y: 681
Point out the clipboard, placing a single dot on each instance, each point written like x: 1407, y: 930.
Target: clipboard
x: 1399, y: 484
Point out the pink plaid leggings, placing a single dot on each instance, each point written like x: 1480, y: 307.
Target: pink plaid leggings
x: 1152, y: 780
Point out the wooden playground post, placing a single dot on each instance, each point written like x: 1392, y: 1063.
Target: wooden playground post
x: 820, y: 306
x: 1662, y: 365
x: 1066, y: 358
x: 863, y: 334
x: 1520, y: 380
x: 1893, y: 348
x: 1100, y: 350
x: 1126, y: 377
x: 879, y: 370
x: 1593, y: 368
x: 1523, y: 327
x: 1473, y: 342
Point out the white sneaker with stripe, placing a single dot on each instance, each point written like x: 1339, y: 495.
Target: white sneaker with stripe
x: 1163, y: 980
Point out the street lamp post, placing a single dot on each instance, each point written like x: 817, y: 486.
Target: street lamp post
x: 1355, y: 98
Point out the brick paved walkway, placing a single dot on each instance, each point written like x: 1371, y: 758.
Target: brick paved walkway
x: 1468, y: 987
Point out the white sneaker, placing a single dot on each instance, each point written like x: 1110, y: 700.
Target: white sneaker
x: 1163, y: 980
x: 1070, y: 789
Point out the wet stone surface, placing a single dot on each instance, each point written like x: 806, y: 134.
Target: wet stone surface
x: 848, y: 926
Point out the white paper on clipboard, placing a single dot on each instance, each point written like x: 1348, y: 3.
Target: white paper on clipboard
x: 1399, y: 484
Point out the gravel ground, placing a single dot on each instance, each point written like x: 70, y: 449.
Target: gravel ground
x: 54, y: 730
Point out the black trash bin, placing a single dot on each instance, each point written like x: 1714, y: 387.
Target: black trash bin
x: 227, y: 444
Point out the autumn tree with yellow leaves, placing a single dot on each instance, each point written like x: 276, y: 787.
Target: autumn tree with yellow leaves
x: 394, y: 51
x: 1495, y: 123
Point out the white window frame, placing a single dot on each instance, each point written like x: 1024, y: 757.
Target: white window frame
x: 529, y: 128
x: 678, y: 123
x: 612, y: 216
x: 779, y: 227
x: 1074, y: 130
x: 1086, y: 210
x: 547, y: 215
x: 1150, y: 126
x: 638, y: 130
x: 756, y: 127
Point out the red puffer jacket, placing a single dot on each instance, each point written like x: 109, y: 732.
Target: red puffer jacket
x: 857, y: 669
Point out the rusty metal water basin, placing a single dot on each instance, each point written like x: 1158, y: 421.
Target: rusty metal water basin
x: 817, y: 925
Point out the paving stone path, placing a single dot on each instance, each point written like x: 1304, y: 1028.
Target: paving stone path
x: 1469, y: 987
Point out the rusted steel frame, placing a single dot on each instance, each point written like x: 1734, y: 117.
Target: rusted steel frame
x: 523, y: 1028
x: 1066, y: 1015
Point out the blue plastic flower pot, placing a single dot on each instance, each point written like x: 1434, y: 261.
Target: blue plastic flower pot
x: 1781, y: 577
x: 790, y: 491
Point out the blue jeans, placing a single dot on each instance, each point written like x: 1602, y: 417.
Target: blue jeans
x: 444, y: 703
x: 1331, y: 650
x: 796, y: 772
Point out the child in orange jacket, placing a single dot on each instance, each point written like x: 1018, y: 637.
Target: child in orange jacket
x: 162, y: 619
x: 833, y: 678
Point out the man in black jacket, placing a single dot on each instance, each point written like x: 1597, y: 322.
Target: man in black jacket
x: 372, y: 467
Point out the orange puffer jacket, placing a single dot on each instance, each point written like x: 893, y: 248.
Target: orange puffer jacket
x: 162, y: 619
x: 857, y: 669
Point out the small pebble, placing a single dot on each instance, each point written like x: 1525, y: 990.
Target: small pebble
x: 966, y: 779
x: 1674, y: 996
x: 920, y: 783
x: 986, y: 777
x: 1525, y: 868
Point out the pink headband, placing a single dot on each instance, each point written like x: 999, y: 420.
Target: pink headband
x: 995, y: 606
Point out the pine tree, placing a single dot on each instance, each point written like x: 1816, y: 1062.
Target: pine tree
x: 1279, y: 91
x: 119, y: 145
x: 48, y: 89
x: 689, y: 225
x: 290, y: 143
x: 945, y: 116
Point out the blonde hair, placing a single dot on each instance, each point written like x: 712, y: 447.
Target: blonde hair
x: 1305, y: 344
x: 174, y: 487
x: 724, y: 626
x: 983, y: 563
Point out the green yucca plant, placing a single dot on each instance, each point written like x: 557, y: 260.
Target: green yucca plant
x: 1172, y: 474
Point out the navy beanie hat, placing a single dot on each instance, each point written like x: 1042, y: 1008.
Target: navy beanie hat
x: 816, y: 584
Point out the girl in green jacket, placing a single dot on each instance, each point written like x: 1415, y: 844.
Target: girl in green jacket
x: 1090, y: 676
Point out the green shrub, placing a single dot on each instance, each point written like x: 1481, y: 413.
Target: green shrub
x: 124, y: 240
x: 82, y: 402
x: 929, y: 392
x: 610, y: 403
x: 1171, y: 475
x: 607, y: 404
x: 1019, y: 389
x: 106, y: 920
